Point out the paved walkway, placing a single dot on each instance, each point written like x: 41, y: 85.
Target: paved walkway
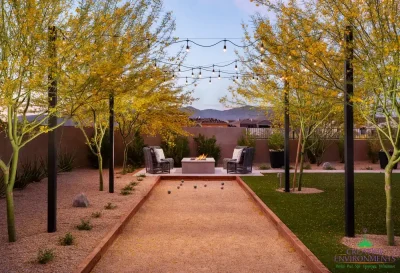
x: 207, y: 229
x: 218, y: 171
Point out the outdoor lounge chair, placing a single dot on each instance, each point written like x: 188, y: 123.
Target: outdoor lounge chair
x: 226, y: 160
x: 171, y: 160
x: 245, y: 165
x: 152, y: 166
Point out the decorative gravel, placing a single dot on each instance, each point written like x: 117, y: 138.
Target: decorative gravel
x: 379, y: 244
x: 31, y: 220
x: 303, y: 190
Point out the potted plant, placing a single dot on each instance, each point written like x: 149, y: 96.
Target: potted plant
x: 276, y: 144
x: 383, y: 160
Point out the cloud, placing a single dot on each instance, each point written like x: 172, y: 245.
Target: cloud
x: 250, y: 7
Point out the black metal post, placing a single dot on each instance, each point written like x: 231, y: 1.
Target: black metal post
x: 111, y: 150
x: 52, y: 148
x: 348, y: 134
x: 287, y: 154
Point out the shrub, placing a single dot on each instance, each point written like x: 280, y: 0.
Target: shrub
x: 369, y: 168
x: 135, y: 151
x: 265, y: 167
x: 128, y: 188
x: 307, y: 166
x: 142, y: 175
x: 373, y: 148
x: 208, y: 146
x: 176, y: 147
x: 105, y: 144
x: 276, y: 141
x: 45, y: 256
x: 139, y: 178
x: 133, y: 183
x: 96, y: 214
x: 110, y: 206
x: 84, y: 225
x: 66, y: 161
x: 125, y: 192
x: 247, y: 139
x: 67, y: 240
x: 340, y: 144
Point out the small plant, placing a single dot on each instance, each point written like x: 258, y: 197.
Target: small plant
x: 142, y: 175
x: 125, y: 192
x: 67, y: 240
x: 276, y: 142
x: 84, y: 225
x: 130, y: 169
x: 128, y: 188
x: 110, y: 206
x: 265, y: 167
x: 307, y: 166
x: 45, y: 255
x: 96, y: 214
x: 139, y: 178
x: 133, y: 183
x: 369, y: 168
x: 66, y: 161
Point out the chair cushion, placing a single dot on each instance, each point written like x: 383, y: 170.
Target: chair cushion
x: 159, y: 155
x: 237, y: 153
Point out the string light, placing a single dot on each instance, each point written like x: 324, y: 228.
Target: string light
x: 155, y: 64
x: 224, y: 45
x: 173, y: 76
x: 315, y: 62
x: 213, y: 70
x: 200, y: 73
x: 262, y: 46
x: 219, y: 75
x: 192, y: 73
x: 187, y: 45
x: 210, y: 81
x: 179, y: 69
x: 261, y: 60
x: 186, y: 81
x: 236, y: 65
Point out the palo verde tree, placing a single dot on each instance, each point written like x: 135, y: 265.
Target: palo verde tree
x: 375, y: 60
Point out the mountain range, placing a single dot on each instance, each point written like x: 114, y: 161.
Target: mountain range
x: 244, y: 112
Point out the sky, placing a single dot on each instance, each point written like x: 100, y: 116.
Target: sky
x: 221, y: 19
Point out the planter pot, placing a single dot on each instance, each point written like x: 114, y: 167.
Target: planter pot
x: 383, y: 160
x: 277, y: 159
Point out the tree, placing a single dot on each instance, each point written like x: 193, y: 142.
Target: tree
x: 375, y: 61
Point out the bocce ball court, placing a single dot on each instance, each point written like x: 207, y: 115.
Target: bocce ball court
x: 205, y: 225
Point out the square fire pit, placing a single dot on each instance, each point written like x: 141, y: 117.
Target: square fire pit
x: 198, y: 166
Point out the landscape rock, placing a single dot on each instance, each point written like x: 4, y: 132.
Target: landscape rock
x: 81, y: 201
x: 328, y: 166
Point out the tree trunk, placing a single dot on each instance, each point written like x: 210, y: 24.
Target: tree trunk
x: 100, y: 161
x: 124, y: 164
x: 388, y: 191
x: 9, y: 178
x: 301, y: 166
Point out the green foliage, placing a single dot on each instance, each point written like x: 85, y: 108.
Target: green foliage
x: 307, y: 166
x: 247, y: 139
x: 45, y: 255
x: 96, y: 214
x: 125, y: 192
x: 129, y: 169
x: 135, y: 151
x: 276, y: 141
x: 208, y: 146
x: 110, y: 206
x: 322, y: 231
x: 66, y: 161
x: 316, y: 147
x: 142, y: 175
x: 127, y: 189
x: 139, y: 178
x: 30, y: 171
x: 84, y: 225
x: 67, y: 240
x: 265, y: 167
x: 373, y: 148
x: 369, y: 168
x: 105, y: 144
x: 133, y: 183
x: 176, y: 147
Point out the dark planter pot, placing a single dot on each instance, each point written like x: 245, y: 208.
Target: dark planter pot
x: 277, y: 159
x: 383, y: 160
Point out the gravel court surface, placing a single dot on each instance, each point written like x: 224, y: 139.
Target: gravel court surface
x: 207, y: 229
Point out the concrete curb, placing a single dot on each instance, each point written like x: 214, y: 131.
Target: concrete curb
x: 91, y: 260
x: 309, y: 258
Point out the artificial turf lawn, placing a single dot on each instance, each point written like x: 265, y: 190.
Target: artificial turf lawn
x: 318, y: 219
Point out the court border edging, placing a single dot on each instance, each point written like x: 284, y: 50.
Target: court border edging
x: 309, y: 258
x: 95, y: 255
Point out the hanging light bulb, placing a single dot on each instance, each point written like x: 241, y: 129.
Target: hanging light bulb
x: 200, y: 73
x: 187, y: 45
x: 236, y: 65
x: 253, y: 76
x: 219, y: 75
x: 155, y: 64
x: 257, y: 79
x: 210, y: 81
x: 151, y: 78
x: 213, y: 70
x: 262, y: 46
x: 315, y: 62
x: 173, y: 76
x: 179, y: 69
x: 186, y: 81
x: 261, y: 61
x: 224, y: 45
x: 192, y: 73
x: 290, y: 57
x: 237, y: 77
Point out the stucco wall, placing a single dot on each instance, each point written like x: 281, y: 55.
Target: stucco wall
x: 72, y: 139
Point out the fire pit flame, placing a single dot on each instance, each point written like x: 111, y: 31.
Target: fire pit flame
x: 201, y: 157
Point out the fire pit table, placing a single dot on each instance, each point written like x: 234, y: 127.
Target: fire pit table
x: 196, y: 166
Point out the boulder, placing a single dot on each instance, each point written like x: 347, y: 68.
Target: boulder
x: 328, y: 166
x: 81, y: 201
